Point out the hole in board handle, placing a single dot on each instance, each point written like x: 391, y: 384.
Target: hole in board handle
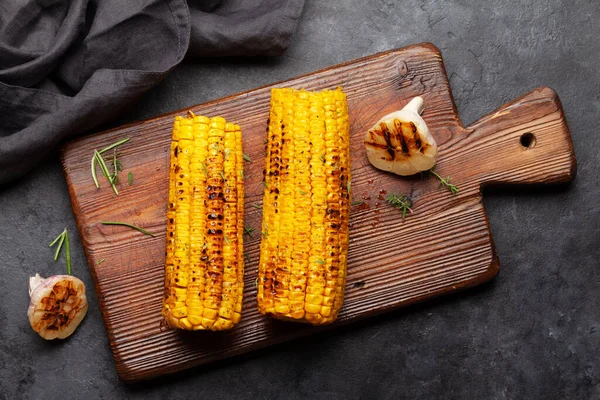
x: 528, y: 140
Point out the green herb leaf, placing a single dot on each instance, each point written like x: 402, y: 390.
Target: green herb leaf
x: 112, y: 146
x: 204, y: 168
x: 302, y: 192
x: 130, y: 178
x: 357, y: 203
x: 257, y: 206
x: 265, y: 141
x: 444, y: 182
x: 95, y: 160
x: 246, y: 157
x: 105, y: 171
x: 227, y: 152
x: 61, y: 239
x: 57, y: 238
x: 226, y: 240
x: 137, y: 228
x: 67, y: 253
x: 320, y: 261
x: 216, y: 146
x: 248, y: 231
x: 115, y: 167
x: 402, y: 202
x: 222, y: 175
x: 94, y: 177
x: 100, y: 261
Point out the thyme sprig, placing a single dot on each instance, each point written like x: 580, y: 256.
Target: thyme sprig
x: 116, y: 167
x: 444, y: 181
x: 401, y: 202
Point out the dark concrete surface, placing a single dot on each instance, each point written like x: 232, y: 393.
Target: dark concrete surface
x: 533, y: 333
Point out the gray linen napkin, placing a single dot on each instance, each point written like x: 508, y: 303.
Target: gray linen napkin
x: 68, y: 66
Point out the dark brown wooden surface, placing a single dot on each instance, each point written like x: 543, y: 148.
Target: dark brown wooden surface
x: 445, y: 245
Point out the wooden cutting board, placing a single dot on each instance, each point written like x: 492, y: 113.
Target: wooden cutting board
x: 443, y: 246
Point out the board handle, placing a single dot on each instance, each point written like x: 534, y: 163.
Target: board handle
x: 525, y: 141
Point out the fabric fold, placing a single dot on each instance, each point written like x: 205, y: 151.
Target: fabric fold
x: 67, y: 67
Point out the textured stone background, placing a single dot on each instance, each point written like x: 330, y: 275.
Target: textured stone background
x: 532, y: 333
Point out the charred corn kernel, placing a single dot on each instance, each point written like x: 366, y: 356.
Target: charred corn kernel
x: 204, y: 263
x: 303, y: 253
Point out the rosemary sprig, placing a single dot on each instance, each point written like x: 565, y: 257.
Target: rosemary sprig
x: 227, y: 152
x: 94, y: 177
x: 137, y: 228
x: 227, y: 242
x: 402, y: 202
x: 130, y: 178
x: 112, y: 146
x: 257, y: 206
x: 104, y: 150
x: 246, y: 157
x: 248, y: 231
x: 61, y: 239
x: 105, y: 171
x: 67, y: 253
x: 357, y: 203
x: 444, y: 182
x: 320, y: 261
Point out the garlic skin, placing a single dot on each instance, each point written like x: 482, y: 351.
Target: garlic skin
x: 401, y: 143
x: 57, y: 305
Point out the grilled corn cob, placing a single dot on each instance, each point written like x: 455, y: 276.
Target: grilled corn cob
x: 303, y: 253
x: 204, y: 254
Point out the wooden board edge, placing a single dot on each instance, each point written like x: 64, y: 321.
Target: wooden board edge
x: 424, y: 45
x: 130, y: 376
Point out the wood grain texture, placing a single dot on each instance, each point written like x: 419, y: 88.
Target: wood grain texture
x: 445, y: 245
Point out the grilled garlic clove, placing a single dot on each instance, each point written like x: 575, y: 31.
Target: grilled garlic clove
x: 57, y: 305
x: 401, y: 143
